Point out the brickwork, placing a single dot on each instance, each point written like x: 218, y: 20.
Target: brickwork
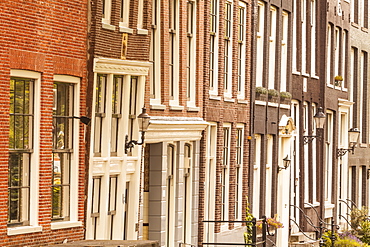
x: 224, y: 111
x: 48, y: 37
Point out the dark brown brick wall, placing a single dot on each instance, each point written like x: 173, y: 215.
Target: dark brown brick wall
x: 47, y: 37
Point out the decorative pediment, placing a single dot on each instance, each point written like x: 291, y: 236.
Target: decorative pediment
x: 286, y: 125
x: 121, y: 67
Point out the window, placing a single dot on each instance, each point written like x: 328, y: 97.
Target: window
x: 269, y: 160
x: 173, y: 53
x: 284, y: 52
x: 63, y: 148
x: 313, y: 37
x: 124, y: 13
x: 213, y: 49
x: 328, y: 174
x: 260, y: 40
x: 344, y: 57
x: 272, y: 49
x: 132, y: 108
x: 191, y: 53
x: 106, y: 12
x: 239, y: 171
x: 155, y: 56
x: 100, y: 102
x: 171, y: 194
x: 304, y: 36
x: 337, y: 47
x: 95, y: 208
x: 294, y: 39
x: 241, y: 49
x: 363, y: 101
x: 21, y: 133
x: 117, y: 98
x: 112, y: 203
x: 187, y: 193
x: 329, y: 58
x: 257, y: 176
x: 225, y: 172
x: 228, y: 50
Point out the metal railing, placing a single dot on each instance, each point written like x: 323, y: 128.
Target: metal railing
x: 256, y: 240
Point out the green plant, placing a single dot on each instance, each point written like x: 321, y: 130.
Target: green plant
x: 346, y: 242
x: 249, y: 227
x: 273, y: 92
x: 285, y: 95
x: 338, y: 78
x: 364, y: 232
x: 326, y: 236
x: 358, y: 215
x: 261, y: 90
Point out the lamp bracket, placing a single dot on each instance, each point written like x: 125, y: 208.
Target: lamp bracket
x: 342, y: 151
x: 309, y: 139
x: 132, y: 143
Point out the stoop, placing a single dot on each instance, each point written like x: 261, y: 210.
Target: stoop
x: 110, y: 243
x: 300, y: 240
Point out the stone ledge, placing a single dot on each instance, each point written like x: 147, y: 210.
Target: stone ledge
x: 111, y: 243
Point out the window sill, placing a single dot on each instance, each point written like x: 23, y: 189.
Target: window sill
x: 157, y: 107
x: 296, y: 73
x: 229, y: 99
x: 23, y: 230
x: 142, y: 31
x: 243, y: 101
x: 126, y: 30
x: 108, y: 26
x: 176, y: 107
x: 260, y: 102
x: 284, y: 106
x: 65, y: 224
x: 214, y: 97
x: 273, y: 104
x: 193, y: 108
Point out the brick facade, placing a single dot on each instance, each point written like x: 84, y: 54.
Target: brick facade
x: 48, y: 37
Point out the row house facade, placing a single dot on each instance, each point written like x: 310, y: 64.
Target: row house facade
x: 118, y: 69
x: 273, y: 128
x: 225, y: 144
x: 43, y: 94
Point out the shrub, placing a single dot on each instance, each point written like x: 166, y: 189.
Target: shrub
x: 338, y: 78
x: 285, y: 95
x: 273, y: 92
x: 261, y: 90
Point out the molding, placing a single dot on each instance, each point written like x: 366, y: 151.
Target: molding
x: 65, y: 224
x: 121, y: 67
x: 23, y: 230
x: 141, y: 31
x: 175, y: 129
x: 126, y: 30
x: 108, y: 26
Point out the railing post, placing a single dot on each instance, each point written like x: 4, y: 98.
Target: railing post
x: 254, y: 232
x: 264, y: 230
x: 332, y: 233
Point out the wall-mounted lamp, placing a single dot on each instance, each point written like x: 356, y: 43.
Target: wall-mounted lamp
x: 320, y: 119
x: 286, y: 164
x: 143, y: 120
x: 85, y: 120
x: 353, y: 136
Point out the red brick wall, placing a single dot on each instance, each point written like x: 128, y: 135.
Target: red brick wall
x: 47, y: 37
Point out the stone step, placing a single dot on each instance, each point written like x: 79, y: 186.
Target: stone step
x: 301, y: 238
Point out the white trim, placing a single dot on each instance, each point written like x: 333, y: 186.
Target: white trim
x: 23, y: 230
x: 125, y: 13
x: 35, y: 164
x: 260, y: 45
x: 66, y: 78
x: 65, y: 224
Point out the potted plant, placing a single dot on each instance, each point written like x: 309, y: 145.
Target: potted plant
x: 338, y: 80
x: 273, y: 95
x: 285, y: 97
x: 261, y: 93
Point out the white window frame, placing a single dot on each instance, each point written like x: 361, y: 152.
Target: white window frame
x: 228, y: 51
x: 284, y: 51
x: 269, y: 173
x: 314, y: 150
x: 328, y: 173
x: 313, y: 37
x: 214, y: 33
x: 260, y: 45
x: 191, y: 54
x: 173, y: 65
x: 239, y: 168
x: 35, y: 156
x: 106, y: 17
x: 155, y: 58
x: 337, y: 34
x: 272, y: 47
x: 257, y: 176
x: 125, y: 13
x: 225, y: 172
x: 74, y: 173
x: 242, y: 22
x: 344, y: 60
x: 329, y: 56
x: 304, y: 37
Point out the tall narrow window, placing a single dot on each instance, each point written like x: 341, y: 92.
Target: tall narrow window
x: 187, y: 193
x: 239, y: 172
x: 155, y: 55
x: 364, y: 100
x: 112, y: 203
x: 225, y: 173
x: 329, y: 58
x: 329, y: 154
x: 171, y: 194
x: 132, y: 108
x: 100, y: 102
x: 173, y: 53
x: 337, y: 47
x: 20, y: 150
x: 284, y: 52
x: 344, y: 57
x: 260, y: 41
x: 63, y: 131
x: 228, y: 49
x: 304, y: 36
x: 313, y: 37
x: 241, y: 49
x: 191, y: 52
x: 213, y: 48
x: 116, y: 113
x: 272, y: 48
x: 124, y: 13
x: 106, y: 12
x: 95, y: 204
